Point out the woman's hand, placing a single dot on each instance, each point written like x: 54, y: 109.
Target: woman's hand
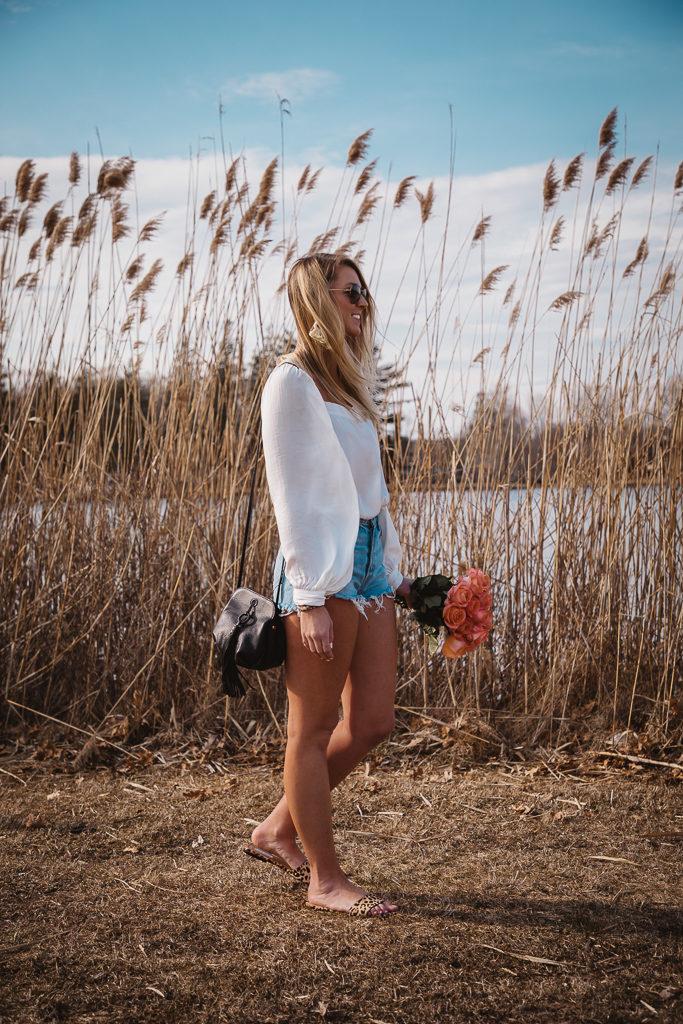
x: 404, y: 590
x: 317, y: 632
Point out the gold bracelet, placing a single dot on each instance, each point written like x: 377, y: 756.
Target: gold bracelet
x: 305, y: 608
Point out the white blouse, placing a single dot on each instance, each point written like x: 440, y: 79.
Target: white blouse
x: 325, y: 474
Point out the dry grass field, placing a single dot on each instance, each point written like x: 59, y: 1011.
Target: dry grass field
x: 123, y: 493
x: 538, y: 872
x: 539, y: 891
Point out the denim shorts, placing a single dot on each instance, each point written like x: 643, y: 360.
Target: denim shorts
x: 368, y: 584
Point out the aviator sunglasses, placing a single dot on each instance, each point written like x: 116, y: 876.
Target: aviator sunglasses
x: 354, y: 292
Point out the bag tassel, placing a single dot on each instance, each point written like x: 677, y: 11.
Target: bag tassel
x: 233, y: 681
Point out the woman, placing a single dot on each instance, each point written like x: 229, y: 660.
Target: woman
x: 341, y: 556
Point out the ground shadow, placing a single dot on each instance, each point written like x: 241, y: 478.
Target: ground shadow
x: 582, y: 915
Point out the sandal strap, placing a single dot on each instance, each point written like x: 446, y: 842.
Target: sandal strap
x: 302, y: 873
x: 365, y: 905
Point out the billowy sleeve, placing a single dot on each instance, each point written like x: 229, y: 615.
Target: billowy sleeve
x: 311, y: 486
x: 390, y: 542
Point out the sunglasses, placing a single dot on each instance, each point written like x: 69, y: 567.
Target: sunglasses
x: 354, y: 292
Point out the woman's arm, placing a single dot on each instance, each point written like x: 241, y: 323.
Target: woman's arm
x: 311, y: 486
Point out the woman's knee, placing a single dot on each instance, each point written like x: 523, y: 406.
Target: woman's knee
x: 302, y: 733
x: 372, y: 730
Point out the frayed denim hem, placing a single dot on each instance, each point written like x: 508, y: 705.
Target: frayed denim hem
x: 362, y: 603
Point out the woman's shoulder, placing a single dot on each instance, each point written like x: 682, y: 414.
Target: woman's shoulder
x: 285, y: 369
x: 288, y: 380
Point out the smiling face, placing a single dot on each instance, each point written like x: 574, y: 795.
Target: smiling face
x: 351, y: 314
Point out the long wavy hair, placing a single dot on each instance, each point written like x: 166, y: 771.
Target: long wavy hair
x: 309, y: 296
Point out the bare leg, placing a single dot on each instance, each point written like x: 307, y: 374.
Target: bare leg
x: 368, y: 708
x: 367, y: 698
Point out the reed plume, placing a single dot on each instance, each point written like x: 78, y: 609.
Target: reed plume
x: 572, y: 174
x: 231, y: 176
x: 150, y: 229
x: 641, y: 172
x: 402, y: 190
x: 678, y: 179
x: 619, y: 175
x: 564, y: 300
x: 8, y: 221
x: 324, y: 242
x: 57, y: 237
x: 74, y: 169
x: 84, y: 228
x: 301, y: 184
x: 426, y: 201
x: 119, y: 226
x: 134, y: 268
x: 313, y: 180
x: 556, y: 233
x: 604, y: 163
x: 38, y: 189
x: 364, y: 177
x: 267, y: 184
x: 481, y: 229
x: 185, y: 264
x: 24, y: 179
x: 551, y: 187
x: 51, y: 218
x: 147, y: 283
x: 358, y: 148
x: 24, y: 221
x: 665, y: 286
x: 207, y: 205
x: 640, y: 257
x: 367, y: 206
x: 87, y: 205
x: 491, y: 279
x: 608, y: 135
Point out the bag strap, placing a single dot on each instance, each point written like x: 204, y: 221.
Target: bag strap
x: 248, y: 522
x: 246, y: 532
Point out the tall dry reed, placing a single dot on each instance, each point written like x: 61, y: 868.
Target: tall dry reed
x: 123, y: 495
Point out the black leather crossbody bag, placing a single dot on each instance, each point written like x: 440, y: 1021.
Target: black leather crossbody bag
x: 250, y: 633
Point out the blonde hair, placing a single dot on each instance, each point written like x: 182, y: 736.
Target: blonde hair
x: 308, y: 289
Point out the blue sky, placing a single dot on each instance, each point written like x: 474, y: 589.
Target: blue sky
x: 526, y: 81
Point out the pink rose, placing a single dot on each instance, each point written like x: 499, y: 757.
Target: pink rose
x: 453, y: 616
x: 453, y: 646
x: 479, y: 581
x: 473, y: 607
x: 483, y: 617
x: 460, y: 594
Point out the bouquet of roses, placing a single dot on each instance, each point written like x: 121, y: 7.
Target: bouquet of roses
x: 463, y: 608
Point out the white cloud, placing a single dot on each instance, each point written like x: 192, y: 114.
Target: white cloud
x: 294, y: 84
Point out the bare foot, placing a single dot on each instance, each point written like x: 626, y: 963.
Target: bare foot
x: 283, y: 847
x: 343, y: 896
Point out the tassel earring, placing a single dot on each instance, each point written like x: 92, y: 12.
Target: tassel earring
x: 316, y: 332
